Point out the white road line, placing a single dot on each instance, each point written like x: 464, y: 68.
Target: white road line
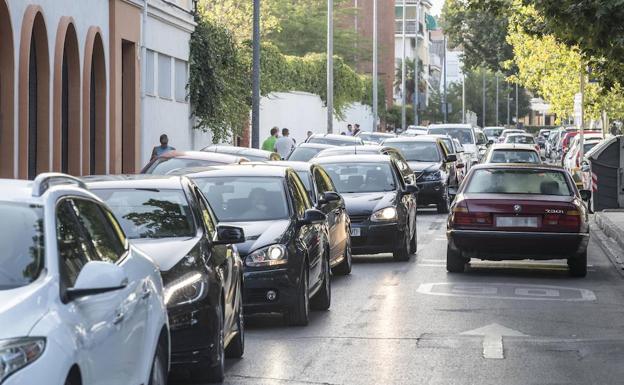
x: 493, y: 339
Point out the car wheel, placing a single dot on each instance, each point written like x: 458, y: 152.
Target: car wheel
x: 455, y: 263
x: 444, y: 205
x: 402, y: 252
x: 299, y: 313
x: 208, y: 371
x: 236, y: 347
x: 578, y: 265
x: 322, y: 299
x: 158, y: 375
x: 344, y: 268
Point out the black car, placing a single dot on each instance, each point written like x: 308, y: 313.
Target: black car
x: 335, y: 140
x: 323, y: 194
x: 171, y: 221
x: 306, y: 151
x: 252, y: 154
x: 434, y: 168
x: 286, y: 256
x: 382, y: 207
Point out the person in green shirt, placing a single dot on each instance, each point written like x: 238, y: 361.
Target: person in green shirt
x: 269, y: 143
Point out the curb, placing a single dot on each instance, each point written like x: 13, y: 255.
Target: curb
x: 610, y: 246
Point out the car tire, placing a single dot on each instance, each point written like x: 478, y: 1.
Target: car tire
x: 344, y: 268
x: 414, y: 241
x: 236, y: 347
x: 444, y: 205
x: 455, y: 263
x: 299, y: 313
x: 402, y: 253
x: 208, y: 371
x: 158, y: 374
x: 578, y: 265
x: 322, y: 299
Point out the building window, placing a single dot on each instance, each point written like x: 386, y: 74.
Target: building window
x: 181, y: 78
x: 149, y: 72
x: 164, y: 76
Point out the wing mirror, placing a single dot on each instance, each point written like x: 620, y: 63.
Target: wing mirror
x: 97, y: 277
x: 328, y: 197
x: 585, y: 195
x: 227, y: 235
x: 313, y: 217
x: 451, y: 158
x: 460, y: 165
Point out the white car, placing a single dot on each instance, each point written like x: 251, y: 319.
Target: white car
x: 78, y: 303
x: 512, y: 153
x: 466, y: 135
x: 572, y: 160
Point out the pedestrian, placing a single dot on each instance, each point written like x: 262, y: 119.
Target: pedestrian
x: 284, y: 145
x: 163, y: 148
x: 356, y: 129
x: 349, y: 130
x: 269, y: 143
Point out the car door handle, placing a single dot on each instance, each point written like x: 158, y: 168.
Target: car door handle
x: 119, y: 317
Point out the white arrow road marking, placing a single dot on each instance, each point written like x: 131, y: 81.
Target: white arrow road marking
x: 493, y: 339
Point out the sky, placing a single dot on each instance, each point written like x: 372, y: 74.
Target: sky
x: 437, y: 6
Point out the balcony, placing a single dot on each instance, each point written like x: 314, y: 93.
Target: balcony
x: 410, y: 28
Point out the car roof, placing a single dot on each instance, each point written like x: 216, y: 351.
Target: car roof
x: 335, y: 136
x: 377, y: 133
x: 229, y: 149
x: 533, y: 166
x: 202, y: 155
x: 494, y: 128
x: 364, y: 158
x: 419, y: 138
x: 248, y: 169
x: 366, y: 148
x: 140, y: 181
x: 315, y: 145
x: 36, y: 191
x: 513, y: 146
x: 452, y: 125
x: 295, y: 165
x: 519, y: 134
x: 17, y: 190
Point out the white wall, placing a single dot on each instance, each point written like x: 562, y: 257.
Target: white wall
x: 302, y: 112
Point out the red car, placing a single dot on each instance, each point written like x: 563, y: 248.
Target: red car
x: 516, y: 212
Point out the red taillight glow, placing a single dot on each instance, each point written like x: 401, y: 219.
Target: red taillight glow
x: 461, y: 216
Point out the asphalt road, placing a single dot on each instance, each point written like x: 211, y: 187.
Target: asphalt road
x: 412, y: 323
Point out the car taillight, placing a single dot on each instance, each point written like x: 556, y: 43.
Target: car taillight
x: 463, y: 217
x: 570, y: 220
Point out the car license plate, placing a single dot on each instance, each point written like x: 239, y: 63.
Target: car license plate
x: 516, y: 221
x: 356, y: 231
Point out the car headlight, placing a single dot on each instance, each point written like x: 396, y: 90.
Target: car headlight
x: 384, y: 215
x: 184, y: 290
x: 16, y: 353
x: 431, y: 176
x: 273, y: 255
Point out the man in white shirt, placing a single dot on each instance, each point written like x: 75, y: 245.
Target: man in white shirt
x: 284, y: 144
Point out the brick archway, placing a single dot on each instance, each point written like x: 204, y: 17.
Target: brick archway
x: 7, y: 94
x: 34, y: 95
x: 66, y: 91
x: 94, y: 105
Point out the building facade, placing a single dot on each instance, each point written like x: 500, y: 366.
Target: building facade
x: 71, y: 96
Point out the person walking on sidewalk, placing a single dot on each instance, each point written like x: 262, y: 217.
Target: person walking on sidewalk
x: 163, y: 148
x: 285, y: 144
x: 269, y: 143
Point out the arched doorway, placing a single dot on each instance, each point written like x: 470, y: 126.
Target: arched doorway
x: 7, y: 87
x: 67, y: 99
x: 34, y: 95
x: 94, y: 105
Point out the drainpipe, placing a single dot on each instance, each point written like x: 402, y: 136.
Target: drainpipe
x: 143, y: 78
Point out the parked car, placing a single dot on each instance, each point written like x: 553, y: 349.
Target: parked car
x: 306, y: 151
x: 374, y: 137
x: 512, y: 153
x: 465, y: 133
x: 483, y: 143
x: 176, y: 160
x: 509, y: 131
x: 170, y: 220
x: 78, y: 303
x: 286, y: 255
x: 414, y: 131
x: 522, y: 139
x: 572, y: 160
x: 324, y: 197
x: 381, y: 206
x: 518, y: 212
x: 434, y: 167
x: 335, y: 140
x: 493, y: 133
x: 567, y: 139
x: 252, y: 154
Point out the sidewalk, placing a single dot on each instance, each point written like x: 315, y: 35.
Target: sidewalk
x: 610, y: 236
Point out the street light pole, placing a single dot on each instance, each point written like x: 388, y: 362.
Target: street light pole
x: 445, y: 106
x: 496, y: 124
x: 417, y: 66
x: 483, y: 119
x: 517, y: 117
x: 403, y: 71
x: 508, y: 102
x: 255, y: 95
x: 463, y: 98
x: 330, y: 66
x: 375, y: 70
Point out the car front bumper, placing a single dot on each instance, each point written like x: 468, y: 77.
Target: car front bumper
x: 284, y: 282
x: 193, y: 332
x: 501, y: 245
x: 430, y: 193
x: 375, y: 237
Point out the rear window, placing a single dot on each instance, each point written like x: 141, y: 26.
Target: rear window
x: 464, y: 135
x: 303, y: 154
x: 418, y: 151
x: 518, y: 181
x: 335, y: 142
x: 165, y: 166
x: 520, y: 139
x: 514, y: 156
x: 361, y: 177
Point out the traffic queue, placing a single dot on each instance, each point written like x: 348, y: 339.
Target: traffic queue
x: 125, y: 277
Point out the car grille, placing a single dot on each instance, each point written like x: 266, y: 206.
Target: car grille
x: 358, y: 218
x: 418, y: 175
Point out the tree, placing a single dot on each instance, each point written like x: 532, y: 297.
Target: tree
x: 480, y: 30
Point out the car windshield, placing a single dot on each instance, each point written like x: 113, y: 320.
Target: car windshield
x: 493, y: 132
x: 165, y: 166
x: 418, y: 151
x: 361, y: 177
x: 334, y: 142
x: 374, y: 137
x: 246, y: 198
x: 303, y: 154
x: 22, y: 241
x: 150, y: 213
x: 464, y: 135
x: 514, y: 156
x: 520, y: 139
x: 518, y: 181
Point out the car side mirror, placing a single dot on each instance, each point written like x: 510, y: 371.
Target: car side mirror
x: 328, y: 197
x: 98, y: 277
x: 451, y: 158
x: 227, y: 235
x: 411, y: 189
x: 313, y: 217
x: 585, y: 195
x: 490, y: 142
x: 460, y: 165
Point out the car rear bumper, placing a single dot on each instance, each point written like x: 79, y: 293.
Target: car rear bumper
x: 430, y: 192
x: 375, y: 238
x: 284, y: 282
x: 500, y: 245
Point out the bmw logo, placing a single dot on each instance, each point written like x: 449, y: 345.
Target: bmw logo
x: 517, y: 208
